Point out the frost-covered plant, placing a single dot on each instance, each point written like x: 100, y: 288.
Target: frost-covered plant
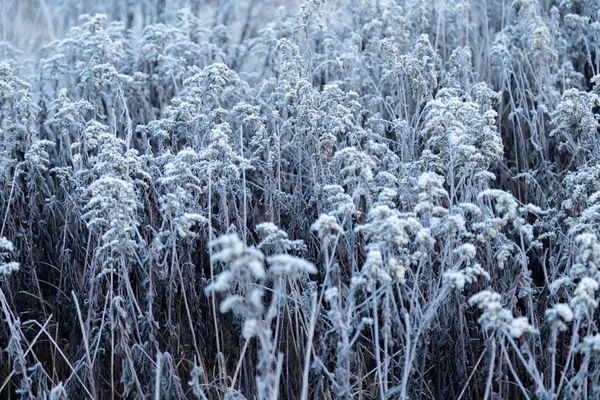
x: 111, y: 210
x: 576, y: 125
x: 18, y: 112
x: 559, y: 315
x: 276, y: 239
x: 243, y: 280
x: 460, y: 277
x: 367, y: 167
x: 327, y: 228
x: 584, y: 296
x: 413, y: 74
x: 462, y: 136
x: 6, y: 248
x: 494, y: 317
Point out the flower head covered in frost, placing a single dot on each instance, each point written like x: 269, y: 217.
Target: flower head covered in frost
x: 182, y: 171
x: 581, y: 187
x: 431, y: 186
x: 355, y: 168
x: 92, y: 53
x: 559, y: 315
x: 336, y: 202
x: 590, y: 346
x: 584, y: 297
x: 245, y: 267
x: 506, y: 210
x: 18, y: 111
x: 199, y: 107
x: 212, y: 87
x: 327, y: 228
x: 110, y: 156
x: 182, y: 188
x: 458, y: 278
x: 387, y: 228
x: 575, y: 123
x: 588, y: 259
x: 6, y: 248
x: 219, y: 160
x: 503, y: 254
x: 520, y: 326
x: 289, y: 266
x: 506, y: 205
x: 187, y: 222
x: 466, y: 252
x: 462, y: 133
x: 243, y: 262
x: 276, y: 239
x: 416, y: 68
x: 431, y: 192
x: 373, y: 271
x: 495, y: 317
x: 284, y: 265
x: 455, y: 279
x: 113, y: 209
x: 37, y: 157
x: 340, y: 107
x: 386, y: 197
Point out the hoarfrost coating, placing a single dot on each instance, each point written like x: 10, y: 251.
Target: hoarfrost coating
x: 298, y: 199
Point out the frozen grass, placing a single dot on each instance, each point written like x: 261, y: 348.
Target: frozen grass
x: 366, y: 199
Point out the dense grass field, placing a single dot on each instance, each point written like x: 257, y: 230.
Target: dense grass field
x: 343, y: 199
